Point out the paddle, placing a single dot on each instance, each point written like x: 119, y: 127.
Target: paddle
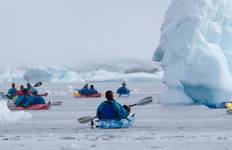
x: 72, y: 88
x: 38, y: 84
x: 143, y: 101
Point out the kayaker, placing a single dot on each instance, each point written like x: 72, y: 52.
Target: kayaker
x: 92, y: 90
x: 29, y: 88
x: 20, y: 92
x: 84, y: 90
x: 36, y: 98
x: 123, y: 90
x: 23, y: 99
x: 12, y: 92
x: 112, y: 110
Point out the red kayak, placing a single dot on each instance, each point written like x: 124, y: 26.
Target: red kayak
x: 32, y: 107
x: 77, y: 95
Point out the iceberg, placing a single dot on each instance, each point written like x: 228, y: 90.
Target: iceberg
x: 195, y: 51
x: 8, y: 116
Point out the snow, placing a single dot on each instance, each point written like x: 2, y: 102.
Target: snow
x: 195, y: 50
x: 7, y: 116
x: 157, y: 126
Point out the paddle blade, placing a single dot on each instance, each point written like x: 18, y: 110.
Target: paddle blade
x: 56, y: 103
x: 44, y: 94
x: 38, y: 84
x: 86, y: 119
x: 145, y: 101
x: 229, y: 111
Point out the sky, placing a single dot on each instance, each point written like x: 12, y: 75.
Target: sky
x: 69, y: 33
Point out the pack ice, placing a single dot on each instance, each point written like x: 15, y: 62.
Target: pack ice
x: 195, y: 51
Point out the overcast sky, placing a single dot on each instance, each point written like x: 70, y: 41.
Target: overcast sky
x: 71, y: 32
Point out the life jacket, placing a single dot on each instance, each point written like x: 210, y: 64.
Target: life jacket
x: 20, y: 93
x: 108, y: 111
x: 12, y: 92
x: 92, y: 92
x: 29, y: 92
x: 84, y: 91
x: 123, y: 90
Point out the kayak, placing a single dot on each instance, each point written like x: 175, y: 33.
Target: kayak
x: 124, y: 95
x: 77, y: 95
x: 114, y: 124
x: 32, y: 107
x: 222, y: 105
x: 52, y: 103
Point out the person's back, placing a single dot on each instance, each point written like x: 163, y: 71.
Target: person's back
x: 29, y: 89
x: 20, y: 92
x: 12, y: 92
x: 84, y: 90
x: 111, y: 110
x: 23, y: 99
x: 123, y: 90
x: 35, y: 98
x: 92, y: 90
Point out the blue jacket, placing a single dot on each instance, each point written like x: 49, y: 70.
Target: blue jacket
x: 37, y: 100
x: 111, y: 110
x: 123, y: 90
x: 22, y: 100
x: 12, y: 92
x: 92, y: 92
x: 34, y: 100
x: 84, y: 91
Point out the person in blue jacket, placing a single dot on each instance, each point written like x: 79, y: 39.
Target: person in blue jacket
x: 12, y: 92
x: 92, y: 90
x: 36, y: 98
x: 123, y: 90
x: 84, y: 90
x: 23, y: 100
x: 112, y: 110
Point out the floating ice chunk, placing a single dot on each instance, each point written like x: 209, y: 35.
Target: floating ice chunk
x: 195, y: 37
x: 8, y: 116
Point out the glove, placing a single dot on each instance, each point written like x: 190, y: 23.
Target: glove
x: 126, y: 108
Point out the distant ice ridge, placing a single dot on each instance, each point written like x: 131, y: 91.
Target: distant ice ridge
x: 7, y: 116
x: 9, y: 75
x: 64, y: 75
x: 195, y: 49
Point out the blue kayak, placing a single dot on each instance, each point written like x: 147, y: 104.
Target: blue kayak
x: 212, y: 105
x: 114, y: 124
x: 124, y: 95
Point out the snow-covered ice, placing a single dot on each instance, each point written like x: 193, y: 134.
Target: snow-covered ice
x: 7, y: 116
x: 195, y: 50
x: 66, y: 75
x: 157, y: 126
